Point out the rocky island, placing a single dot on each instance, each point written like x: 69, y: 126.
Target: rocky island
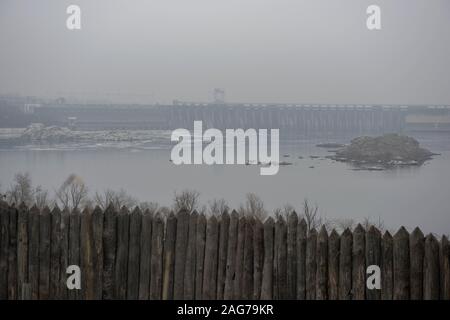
x: 378, y: 153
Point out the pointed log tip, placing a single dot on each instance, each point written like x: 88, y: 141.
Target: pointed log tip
x: 334, y: 234
x: 312, y: 232
x: 137, y: 211
x: 323, y: 231
x: 234, y: 214
x: 97, y: 209
x: 402, y: 232
x: 387, y: 235
x: 124, y: 210
x: 303, y: 223
x: 56, y: 210
x: 293, y: 217
x: 269, y: 221
x: 359, y: 228
x: 430, y: 238
x: 417, y: 233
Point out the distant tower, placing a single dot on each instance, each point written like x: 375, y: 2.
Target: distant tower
x: 219, y: 95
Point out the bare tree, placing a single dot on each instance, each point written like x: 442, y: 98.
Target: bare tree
x: 254, y: 207
x: 41, y: 197
x: 217, y: 207
x: 117, y: 199
x: 21, y: 190
x: 312, y: 218
x: 72, y: 193
x: 367, y: 223
x: 284, y: 212
x: 342, y: 224
x: 186, y: 200
x: 151, y: 206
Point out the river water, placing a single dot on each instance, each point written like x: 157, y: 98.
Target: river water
x: 414, y: 196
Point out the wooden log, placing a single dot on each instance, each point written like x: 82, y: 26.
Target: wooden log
x: 311, y: 265
x: 301, y: 259
x: 373, y: 257
x: 431, y: 277
x: 33, y: 254
x: 65, y: 224
x: 239, y: 269
x: 333, y: 265
x: 444, y: 256
x: 200, y: 243
x: 121, y: 267
x: 44, y: 253
x: 134, y: 253
x: 210, y: 268
x: 97, y: 249
x: 180, y: 253
x: 387, y: 267
x: 345, y: 265
x: 22, y: 247
x: 401, y: 265
x: 109, y: 252
x: 247, y: 279
x: 146, y: 249
x: 4, y: 246
x: 224, y: 226
x: 26, y: 291
x: 12, y: 254
x: 267, y: 274
x: 169, y: 257
x: 358, y: 263
x: 291, y: 256
x: 189, y: 272
x: 87, y: 255
x: 74, y: 247
x: 416, y: 254
x: 55, y: 252
x: 258, y: 258
x: 322, y: 265
x: 156, y: 263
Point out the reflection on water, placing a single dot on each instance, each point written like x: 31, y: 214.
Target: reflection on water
x: 405, y: 196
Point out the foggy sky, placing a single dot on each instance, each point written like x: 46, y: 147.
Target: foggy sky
x: 257, y: 50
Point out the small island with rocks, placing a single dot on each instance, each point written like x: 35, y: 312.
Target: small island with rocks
x: 383, y: 152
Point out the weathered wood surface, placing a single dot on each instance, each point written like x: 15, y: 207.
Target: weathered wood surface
x: 301, y: 259
x: 280, y: 263
x: 145, y: 250
x: 22, y: 247
x: 180, y: 253
x: 12, y: 254
x: 231, y: 256
x: 109, y: 252
x: 33, y: 254
x: 121, y: 266
x: 358, y: 264
x: 333, y: 265
x: 291, y: 256
x: 373, y: 257
x: 4, y: 246
x: 156, y: 261
x: 322, y: 265
x: 224, y: 226
x: 258, y: 254
x: 267, y: 275
x: 345, y: 266
x: 247, y: 278
x: 189, y: 272
x: 200, y: 243
x: 444, y: 259
x: 65, y: 249
x: 239, y: 269
x: 134, y: 254
x: 44, y: 253
x: 416, y: 252
x: 311, y: 265
x: 210, y: 266
x: 55, y: 253
x: 401, y: 265
x: 431, y: 289
x: 387, y: 267
x: 169, y: 257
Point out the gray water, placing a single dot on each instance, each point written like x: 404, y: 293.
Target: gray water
x: 415, y: 196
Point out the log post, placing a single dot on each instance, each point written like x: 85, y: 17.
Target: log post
x: 345, y: 266
x: 267, y: 275
x: 416, y: 254
x: 333, y: 265
x: 401, y: 265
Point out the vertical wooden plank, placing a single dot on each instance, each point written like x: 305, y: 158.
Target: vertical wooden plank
x: 121, y: 267
x: 55, y: 252
x: 231, y: 256
x: 134, y: 254
x: 258, y: 258
x: 322, y: 265
x: 401, y: 265
x: 345, y: 265
x: 359, y: 263
x: 146, y: 249
x: 97, y: 241
x: 291, y: 255
x: 74, y: 247
x: 200, y: 243
x: 4, y: 246
x: 22, y: 247
x: 444, y: 256
x: 247, y: 278
x: 12, y: 254
x: 33, y: 254
x: 44, y: 253
x: 87, y: 255
x: 156, y: 259
x: 224, y: 226
x: 387, y: 267
x: 237, y: 283
x: 210, y: 271
x: 311, y: 265
x: 189, y: 272
x: 373, y: 257
x: 65, y: 224
x: 431, y: 269
x: 169, y: 257
x: 416, y: 253
x: 267, y: 274
x: 109, y: 252
x: 280, y: 285
x: 180, y: 253
x: 333, y: 265
x: 301, y: 259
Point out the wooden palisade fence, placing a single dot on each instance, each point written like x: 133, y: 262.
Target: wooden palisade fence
x: 137, y: 255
